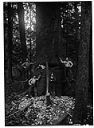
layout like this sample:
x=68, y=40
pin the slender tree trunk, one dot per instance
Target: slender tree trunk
x=22, y=30
x=47, y=78
x=82, y=83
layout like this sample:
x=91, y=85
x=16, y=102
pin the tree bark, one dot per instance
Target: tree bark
x=46, y=16
x=81, y=88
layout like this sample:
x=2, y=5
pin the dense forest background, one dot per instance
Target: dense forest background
x=36, y=33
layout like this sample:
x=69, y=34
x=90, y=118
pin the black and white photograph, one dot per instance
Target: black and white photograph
x=48, y=63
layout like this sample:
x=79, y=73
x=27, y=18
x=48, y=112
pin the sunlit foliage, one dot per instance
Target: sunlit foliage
x=16, y=51
x=30, y=29
x=16, y=34
x=70, y=18
x=5, y=13
x=30, y=24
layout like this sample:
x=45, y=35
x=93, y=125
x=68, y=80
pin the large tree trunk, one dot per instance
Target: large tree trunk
x=82, y=83
x=22, y=30
x=46, y=18
x=48, y=35
x=45, y=34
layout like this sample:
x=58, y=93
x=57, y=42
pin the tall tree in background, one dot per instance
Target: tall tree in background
x=82, y=82
x=10, y=22
x=22, y=30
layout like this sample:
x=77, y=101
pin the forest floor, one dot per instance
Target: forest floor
x=34, y=110
x=24, y=110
